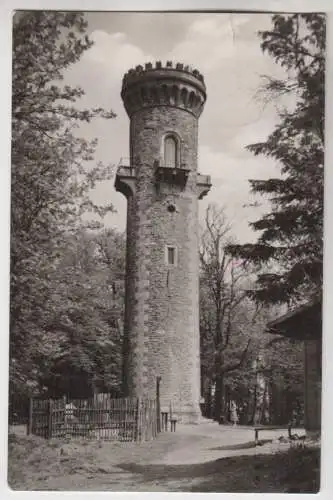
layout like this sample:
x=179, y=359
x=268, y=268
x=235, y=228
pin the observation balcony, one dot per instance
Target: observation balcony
x=126, y=177
x=204, y=184
x=171, y=173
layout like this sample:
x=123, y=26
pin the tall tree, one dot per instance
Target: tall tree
x=288, y=254
x=83, y=340
x=221, y=296
x=52, y=171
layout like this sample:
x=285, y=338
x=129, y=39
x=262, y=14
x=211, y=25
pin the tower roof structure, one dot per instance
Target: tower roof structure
x=172, y=84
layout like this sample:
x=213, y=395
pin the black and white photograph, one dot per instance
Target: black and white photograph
x=166, y=251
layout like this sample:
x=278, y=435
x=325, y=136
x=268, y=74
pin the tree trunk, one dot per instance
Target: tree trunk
x=265, y=404
x=209, y=402
x=249, y=406
x=275, y=404
x=260, y=398
x=219, y=406
x=272, y=411
x=254, y=404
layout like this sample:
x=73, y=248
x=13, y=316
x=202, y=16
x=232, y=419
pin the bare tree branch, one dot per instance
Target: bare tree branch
x=237, y=365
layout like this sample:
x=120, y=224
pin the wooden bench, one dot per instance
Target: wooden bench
x=269, y=428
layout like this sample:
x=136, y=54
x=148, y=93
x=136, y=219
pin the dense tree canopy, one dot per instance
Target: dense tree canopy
x=83, y=340
x=240, y=361
x=289, y=251
x=52, y=174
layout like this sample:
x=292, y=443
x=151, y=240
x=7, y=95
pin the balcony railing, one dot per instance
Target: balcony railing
x=124, y=161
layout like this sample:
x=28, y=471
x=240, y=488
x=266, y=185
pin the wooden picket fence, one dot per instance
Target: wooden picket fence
x=102, y=417
x=147, y=420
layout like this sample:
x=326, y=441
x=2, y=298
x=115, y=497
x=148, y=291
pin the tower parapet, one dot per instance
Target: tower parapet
x=176, y=85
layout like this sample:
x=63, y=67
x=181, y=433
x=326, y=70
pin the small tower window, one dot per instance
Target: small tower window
x=171, y=255
x=170, y=151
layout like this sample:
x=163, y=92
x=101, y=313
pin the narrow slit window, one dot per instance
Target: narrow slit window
x=171, y=256
x=170, y=152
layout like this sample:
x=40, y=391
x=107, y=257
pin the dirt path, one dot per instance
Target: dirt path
x=206, y=457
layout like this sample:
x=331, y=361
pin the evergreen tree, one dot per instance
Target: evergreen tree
x=288, y=254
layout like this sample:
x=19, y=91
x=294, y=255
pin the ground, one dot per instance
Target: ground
x=197, y=458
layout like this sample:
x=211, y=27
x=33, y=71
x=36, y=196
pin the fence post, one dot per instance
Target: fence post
x=49, y=419
x=64, y=400
x=138, y=419
x=158, y=404
x=29, y=427
x=154, y=422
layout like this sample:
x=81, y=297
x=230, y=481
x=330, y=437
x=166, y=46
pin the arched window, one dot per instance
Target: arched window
x=170, y=151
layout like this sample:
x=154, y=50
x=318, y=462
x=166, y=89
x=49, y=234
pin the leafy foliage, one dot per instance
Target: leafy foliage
x=84, y=317
x=52, y=174
x=289, y=252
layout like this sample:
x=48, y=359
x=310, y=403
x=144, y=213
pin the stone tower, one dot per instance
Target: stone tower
x=162, y=187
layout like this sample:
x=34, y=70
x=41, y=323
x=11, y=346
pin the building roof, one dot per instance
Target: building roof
x=304, y=322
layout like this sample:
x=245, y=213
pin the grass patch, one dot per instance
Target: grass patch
x=33, y=460
x=301, y=470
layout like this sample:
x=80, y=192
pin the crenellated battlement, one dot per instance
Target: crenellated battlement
x=158, y=65
x=172, y=84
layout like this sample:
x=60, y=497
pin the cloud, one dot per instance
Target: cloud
x=230, y=176
x=209, y=42
x=101, y=68
x=253, y=132
x=115, y=53
x=226, y=49
x=100, y=72
x=232, y=64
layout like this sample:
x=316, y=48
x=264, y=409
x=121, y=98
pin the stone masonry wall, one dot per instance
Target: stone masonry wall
x=162, y=302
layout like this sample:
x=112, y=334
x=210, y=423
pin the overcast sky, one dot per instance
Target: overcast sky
x=225, y=48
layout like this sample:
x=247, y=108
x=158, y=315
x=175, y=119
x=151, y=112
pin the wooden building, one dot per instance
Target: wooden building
x=305, y=324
